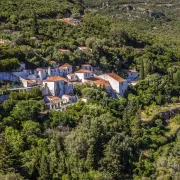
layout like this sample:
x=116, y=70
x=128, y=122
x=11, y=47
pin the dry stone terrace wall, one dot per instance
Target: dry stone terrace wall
x=8, y=76
x=166, y=115
x=3, y=98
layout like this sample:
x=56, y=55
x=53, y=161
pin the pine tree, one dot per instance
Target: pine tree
x=142, y=70
x=177, y=78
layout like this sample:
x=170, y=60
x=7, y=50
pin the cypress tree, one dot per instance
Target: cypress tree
x=142, y=70
x=177, y=78
x=35, y=29
x=43, y=169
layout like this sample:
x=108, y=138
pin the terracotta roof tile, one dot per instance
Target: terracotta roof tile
x=72, y=74
x=82, y=71
x=53, y=98
x=55, y=78
x=98, y=81
x=116, y=77
x=31, y=81
x=39, y=69
x=66, y=65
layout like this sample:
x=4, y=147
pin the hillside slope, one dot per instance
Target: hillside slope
x=22, y=9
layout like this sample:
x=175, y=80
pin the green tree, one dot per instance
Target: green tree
x=176, y=78
x=35, y=27
x=142, y=76
x=43, y=169
x=117, y=154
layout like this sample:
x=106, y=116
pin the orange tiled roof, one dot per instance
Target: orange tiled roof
x=31, y=81
x=116, y=77
x=55, y=78
x=98, y=81
x=53, y=98
x=82, y=71
x=71, y=74
x=39, y=69
x=66, y=65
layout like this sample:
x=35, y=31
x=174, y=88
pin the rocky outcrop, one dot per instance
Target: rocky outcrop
x=167, y=114
x=156, y=14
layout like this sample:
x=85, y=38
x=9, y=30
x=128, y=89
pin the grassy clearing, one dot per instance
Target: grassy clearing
x=149, y=112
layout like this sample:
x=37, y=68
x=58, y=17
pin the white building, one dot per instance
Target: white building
x=65, y=69
x=57, y=86
x=72, y=77
x=69, y=98
x=53, y=64
x=132, y=75
x=27, y=82
x=99, y=82
x=41, y=73
x=118, y=84
x=84, y=74
x=87, y=67
x=53, y=102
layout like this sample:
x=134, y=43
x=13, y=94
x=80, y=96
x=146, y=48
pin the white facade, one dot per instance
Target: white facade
x=69, y=99
x=132, y=75
x=41, y=74
x=56, y=88
x=27, y=83
x=118, y=84
x=84, y=74
x=65, y=69
x=72, y=77
x=87, y=67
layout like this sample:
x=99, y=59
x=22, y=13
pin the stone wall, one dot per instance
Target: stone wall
x=8, y=76
x=3, y=98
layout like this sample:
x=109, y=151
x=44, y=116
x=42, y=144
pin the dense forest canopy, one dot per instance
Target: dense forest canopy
x=106, y=138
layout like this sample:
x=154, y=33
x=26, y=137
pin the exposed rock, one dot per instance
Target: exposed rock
x=156, y=14
x=166, y=115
